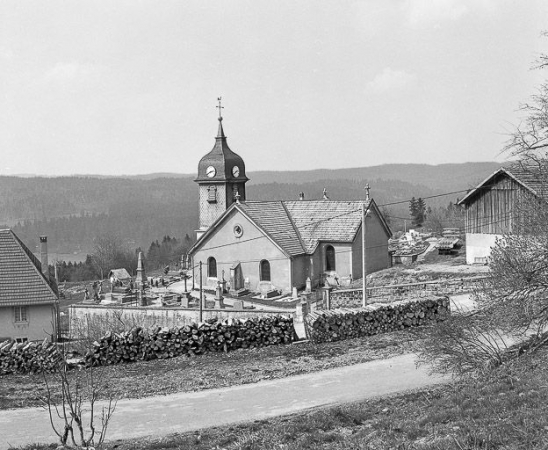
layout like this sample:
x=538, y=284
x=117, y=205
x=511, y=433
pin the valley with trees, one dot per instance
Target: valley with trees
x=77, y=212
x=319, y=327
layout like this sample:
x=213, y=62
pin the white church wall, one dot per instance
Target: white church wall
x=248, y=249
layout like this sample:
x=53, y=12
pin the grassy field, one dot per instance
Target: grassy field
x=184, y=374
x=507, y=410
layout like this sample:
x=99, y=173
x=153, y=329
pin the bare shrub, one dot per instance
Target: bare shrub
x=71, y=397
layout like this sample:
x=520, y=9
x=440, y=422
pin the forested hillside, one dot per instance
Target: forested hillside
x=74, y=211
x=443, y=177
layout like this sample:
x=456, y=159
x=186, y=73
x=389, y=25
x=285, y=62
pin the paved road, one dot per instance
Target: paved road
x=191, y=411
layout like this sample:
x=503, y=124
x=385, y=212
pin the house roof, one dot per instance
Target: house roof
x=120, y=274
x=21, y=279
x=297, y=227
x=531, y=178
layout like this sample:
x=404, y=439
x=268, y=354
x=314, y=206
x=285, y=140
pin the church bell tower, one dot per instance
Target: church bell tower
x=221, y=179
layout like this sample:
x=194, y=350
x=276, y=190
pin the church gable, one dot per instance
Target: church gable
x=236, y=248
x=238, y=236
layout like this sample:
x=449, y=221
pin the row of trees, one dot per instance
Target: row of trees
x=167, y=252
x=111, y=252
x=417, y=210
x=436, y=218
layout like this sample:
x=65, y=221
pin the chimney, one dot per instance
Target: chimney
x=301, y=196
x=44, y=256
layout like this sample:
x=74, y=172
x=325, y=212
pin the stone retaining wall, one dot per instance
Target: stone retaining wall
x=352, y=298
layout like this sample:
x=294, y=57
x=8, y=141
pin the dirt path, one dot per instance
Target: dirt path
x=191, y=411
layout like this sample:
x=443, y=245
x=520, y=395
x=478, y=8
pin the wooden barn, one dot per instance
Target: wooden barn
x=492, y=208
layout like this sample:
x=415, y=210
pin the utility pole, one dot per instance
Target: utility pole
x=364, y=256
x=364, y=260
x=201, y=300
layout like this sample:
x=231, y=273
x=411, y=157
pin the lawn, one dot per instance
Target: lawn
x=184, y=374
x=507, y=410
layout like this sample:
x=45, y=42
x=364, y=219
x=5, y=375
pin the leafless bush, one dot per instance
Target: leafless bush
x=71, y=399
x=512, y=306
x=89, y=328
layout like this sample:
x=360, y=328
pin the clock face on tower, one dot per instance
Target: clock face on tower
x=210, y=171
x=236, y=171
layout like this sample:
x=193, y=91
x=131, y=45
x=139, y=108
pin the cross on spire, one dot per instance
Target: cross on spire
x=367, y=187
x=220, y=108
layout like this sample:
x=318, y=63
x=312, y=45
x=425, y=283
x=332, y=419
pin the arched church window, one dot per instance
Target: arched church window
x=212, y=267
x=212, y=194
x=264, y=270
x=329, y=258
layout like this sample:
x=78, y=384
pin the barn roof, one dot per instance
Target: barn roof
x=21, y=279
x=530, y=177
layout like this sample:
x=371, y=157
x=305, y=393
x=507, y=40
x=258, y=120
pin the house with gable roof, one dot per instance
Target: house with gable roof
x=28, y=299
x=491, y=207
x=262, y=245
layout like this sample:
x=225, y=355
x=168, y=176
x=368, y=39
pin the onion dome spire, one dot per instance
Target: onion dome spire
x=221, y=164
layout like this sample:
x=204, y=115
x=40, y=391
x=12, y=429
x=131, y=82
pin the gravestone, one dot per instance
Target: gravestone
x=308, y=285
x=238, y=304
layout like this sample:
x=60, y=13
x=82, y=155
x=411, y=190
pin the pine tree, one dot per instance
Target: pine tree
x=413, y=208
x=417, y=210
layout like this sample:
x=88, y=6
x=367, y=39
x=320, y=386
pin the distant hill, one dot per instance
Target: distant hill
x=74, y=210
x=432, y=176
x=444, y=177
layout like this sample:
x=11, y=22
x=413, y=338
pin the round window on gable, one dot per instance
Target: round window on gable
x=238, y=230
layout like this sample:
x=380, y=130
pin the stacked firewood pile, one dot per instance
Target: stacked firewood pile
x=28, y=357
x=211, y=336
x=339, y=324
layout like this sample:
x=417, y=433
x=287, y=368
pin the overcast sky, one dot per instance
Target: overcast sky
x=130, y=87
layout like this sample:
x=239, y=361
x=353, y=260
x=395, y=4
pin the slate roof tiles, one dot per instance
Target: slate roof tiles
x=21, y=278
x=299, y=226
x=274, y=219
x=325, y=220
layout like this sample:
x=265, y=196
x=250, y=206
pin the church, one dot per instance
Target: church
x=265, y=246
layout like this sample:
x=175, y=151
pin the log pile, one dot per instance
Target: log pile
x=28, y=357
x=339, y=324
x=211, y=336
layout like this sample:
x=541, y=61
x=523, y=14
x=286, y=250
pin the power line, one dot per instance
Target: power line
x=430, y=196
